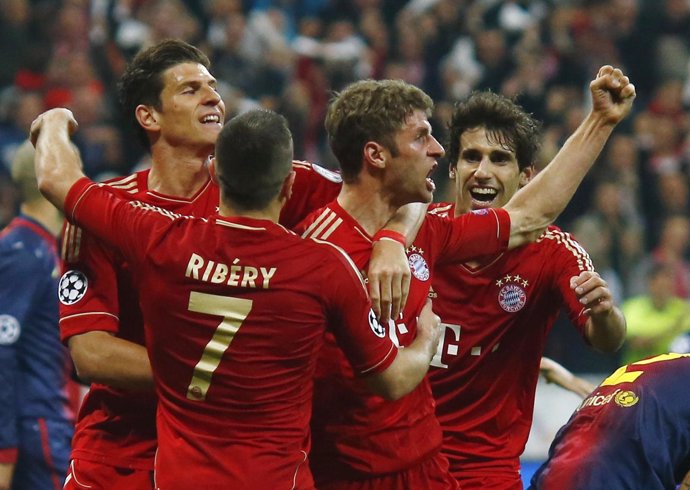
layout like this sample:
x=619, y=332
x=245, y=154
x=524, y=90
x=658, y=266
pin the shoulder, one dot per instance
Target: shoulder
x=332, y=254
x=130, y=185
x=442, y=209
x=314, y=171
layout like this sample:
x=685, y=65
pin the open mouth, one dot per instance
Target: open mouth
x=483, y=195
x=213, y=119
x=430, y=184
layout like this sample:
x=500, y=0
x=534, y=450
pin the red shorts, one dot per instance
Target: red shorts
x=87, y=475
x=432, y=474
x=493, y=482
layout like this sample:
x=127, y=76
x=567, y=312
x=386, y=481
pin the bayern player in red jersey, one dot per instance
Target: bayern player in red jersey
x=497, y=311
x=235, y=308
x=171, y=97
x=380, y=133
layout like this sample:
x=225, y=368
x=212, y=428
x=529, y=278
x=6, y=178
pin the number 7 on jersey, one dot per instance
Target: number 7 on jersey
x=234, y=311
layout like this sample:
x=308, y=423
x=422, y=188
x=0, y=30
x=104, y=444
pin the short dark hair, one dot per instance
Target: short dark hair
x=142, y=81
x=504, y=120
x=370, y=110
x=253, y=157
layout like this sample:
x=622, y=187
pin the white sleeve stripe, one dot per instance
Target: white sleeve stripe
x=498, y=224
x=584, y=261
x=326, y=214
x=332, y=228
x=76, y=315
x=390, y=351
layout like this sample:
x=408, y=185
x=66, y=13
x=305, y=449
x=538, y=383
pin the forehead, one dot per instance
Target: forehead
x=183, y=73
x=480, y=138
x=415, y=121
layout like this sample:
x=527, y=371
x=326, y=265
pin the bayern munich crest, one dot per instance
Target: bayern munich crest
x=512, y=296
x=72, y=287
x=418, y=266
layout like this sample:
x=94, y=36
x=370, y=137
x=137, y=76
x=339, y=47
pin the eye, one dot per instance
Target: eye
x=471, y=156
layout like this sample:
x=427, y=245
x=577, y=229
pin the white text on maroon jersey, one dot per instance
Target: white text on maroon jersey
x=244, y=276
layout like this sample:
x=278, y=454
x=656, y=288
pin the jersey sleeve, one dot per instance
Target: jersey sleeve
x=95, y=306
x=568, y=259
x=17, y=292
x=314, y=187
x=128, y=226
x=362, y=338
x=470, y=235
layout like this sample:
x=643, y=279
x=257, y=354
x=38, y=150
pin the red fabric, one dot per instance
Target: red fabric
x=497, y=313
x=357, y=434
x=265, y=297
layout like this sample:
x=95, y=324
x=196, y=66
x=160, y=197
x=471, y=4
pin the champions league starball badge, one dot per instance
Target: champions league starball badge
x=72, y=287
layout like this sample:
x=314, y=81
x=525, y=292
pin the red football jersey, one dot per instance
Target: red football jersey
x=117, y=427
x=497, y=316
x=235, y=311
x=358, y=433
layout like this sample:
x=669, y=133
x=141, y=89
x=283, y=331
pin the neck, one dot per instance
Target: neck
x=177, y=172
x=270, y=212
x=45, y=213
x=368, y=204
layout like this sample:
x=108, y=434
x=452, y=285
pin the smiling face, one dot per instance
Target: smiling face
x=191, y=110
x=412, y=161
x=486, y=174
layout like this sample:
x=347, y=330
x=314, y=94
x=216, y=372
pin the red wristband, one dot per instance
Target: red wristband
x=391, y=235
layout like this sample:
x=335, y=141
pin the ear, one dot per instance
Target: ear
x=375, y=154
x=526, y=175
x=286, y=189
x=451, y=172
x=147, y=117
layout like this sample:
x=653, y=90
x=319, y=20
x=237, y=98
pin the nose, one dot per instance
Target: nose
x=436, y=149
x=483, y=171
x=211, y=96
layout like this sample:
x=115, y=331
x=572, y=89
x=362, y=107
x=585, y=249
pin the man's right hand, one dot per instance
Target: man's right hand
x=58, y=116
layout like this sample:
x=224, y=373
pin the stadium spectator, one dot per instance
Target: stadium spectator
x=498, y=311
x=36, y=411
x=657, y=317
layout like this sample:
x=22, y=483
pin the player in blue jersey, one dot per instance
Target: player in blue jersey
x=36, y=420
x=632, y=432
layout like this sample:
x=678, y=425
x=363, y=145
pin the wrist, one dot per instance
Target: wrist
x=392, y=236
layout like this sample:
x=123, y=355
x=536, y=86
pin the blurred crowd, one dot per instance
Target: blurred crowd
x=631, y=214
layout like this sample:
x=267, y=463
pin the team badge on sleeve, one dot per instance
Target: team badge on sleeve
x=72, y=287
x=378, y=329
x=9, y=329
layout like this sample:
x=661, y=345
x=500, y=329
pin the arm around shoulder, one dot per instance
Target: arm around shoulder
x=412, y=362
x=101, y=357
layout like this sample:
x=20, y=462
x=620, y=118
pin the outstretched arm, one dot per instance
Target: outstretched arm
x=58, y=165
x=537, y=204
x=555, y=373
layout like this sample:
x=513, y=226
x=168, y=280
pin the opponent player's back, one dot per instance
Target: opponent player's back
x=632, y=432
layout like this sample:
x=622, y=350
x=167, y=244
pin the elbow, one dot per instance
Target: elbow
x=393, y=393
